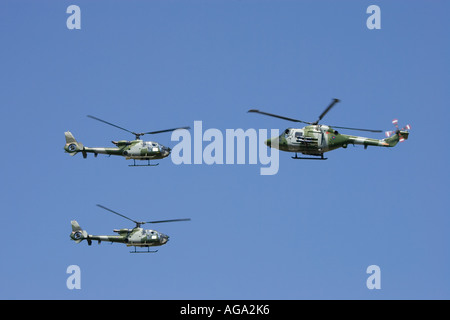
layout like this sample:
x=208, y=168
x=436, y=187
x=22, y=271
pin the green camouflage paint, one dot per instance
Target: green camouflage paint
x=318, y=139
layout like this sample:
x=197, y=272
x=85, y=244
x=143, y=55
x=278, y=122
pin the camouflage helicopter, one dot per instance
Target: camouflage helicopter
x=137, y=237
x=316, y=139
x=136, y=149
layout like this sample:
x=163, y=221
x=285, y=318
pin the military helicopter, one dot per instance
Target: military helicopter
x=136, y=149
x=137, y=237
x=316, y=139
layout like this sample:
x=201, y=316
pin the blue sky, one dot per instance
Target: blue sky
x=308, y=232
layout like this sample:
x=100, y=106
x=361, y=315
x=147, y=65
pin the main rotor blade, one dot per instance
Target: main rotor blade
x=111, y=124
x=173, y=220
x=369, y=130
x=327, y=109
x=99, y=205
x=167, y=130
x=277, y=116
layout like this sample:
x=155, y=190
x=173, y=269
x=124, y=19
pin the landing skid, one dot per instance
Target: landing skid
x=309, y=158
x=142, y=165
x=148, y=251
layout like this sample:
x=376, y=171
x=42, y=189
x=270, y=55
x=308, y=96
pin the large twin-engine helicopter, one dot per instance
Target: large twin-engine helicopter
x=316, y=139
x=137, y=237
x=135, y=149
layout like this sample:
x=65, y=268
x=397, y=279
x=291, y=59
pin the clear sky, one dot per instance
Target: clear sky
x=308, y=232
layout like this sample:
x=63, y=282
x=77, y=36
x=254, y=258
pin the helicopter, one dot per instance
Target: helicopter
x=316, y=139
x=136, y=149
x=137, y=237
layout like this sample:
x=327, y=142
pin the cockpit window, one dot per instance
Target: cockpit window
x=286, y=131
x=298, y=134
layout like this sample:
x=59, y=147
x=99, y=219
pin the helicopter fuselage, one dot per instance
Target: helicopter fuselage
x=137, y=237
x=140, y=237
x=135, y=149
x=318, y=139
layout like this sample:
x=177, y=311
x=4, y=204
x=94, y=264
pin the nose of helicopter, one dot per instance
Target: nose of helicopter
x=165, y=151
x=164, y=238
x=273, y=142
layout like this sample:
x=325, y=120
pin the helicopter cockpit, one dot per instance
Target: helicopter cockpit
x=293, y=133
x=288, y=132
x=153, y=235
x=156, y=147
x=151, y=146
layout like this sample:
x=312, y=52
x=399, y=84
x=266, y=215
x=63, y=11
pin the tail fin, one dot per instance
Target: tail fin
x=399, y=136
x=73, y=146
x=77, y=234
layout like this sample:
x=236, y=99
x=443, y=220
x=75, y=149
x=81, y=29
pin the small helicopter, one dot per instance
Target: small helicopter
x=316, y=139
x=137, y=237
x=136, y=149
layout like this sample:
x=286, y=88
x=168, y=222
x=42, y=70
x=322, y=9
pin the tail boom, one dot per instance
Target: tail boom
x=387, y=142
x=399, y=136
x=78, y=235
x=73, y=147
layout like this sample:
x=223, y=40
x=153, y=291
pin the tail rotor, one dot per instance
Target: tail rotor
x=78, y=234
x=402, y=133
x=73, y=146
